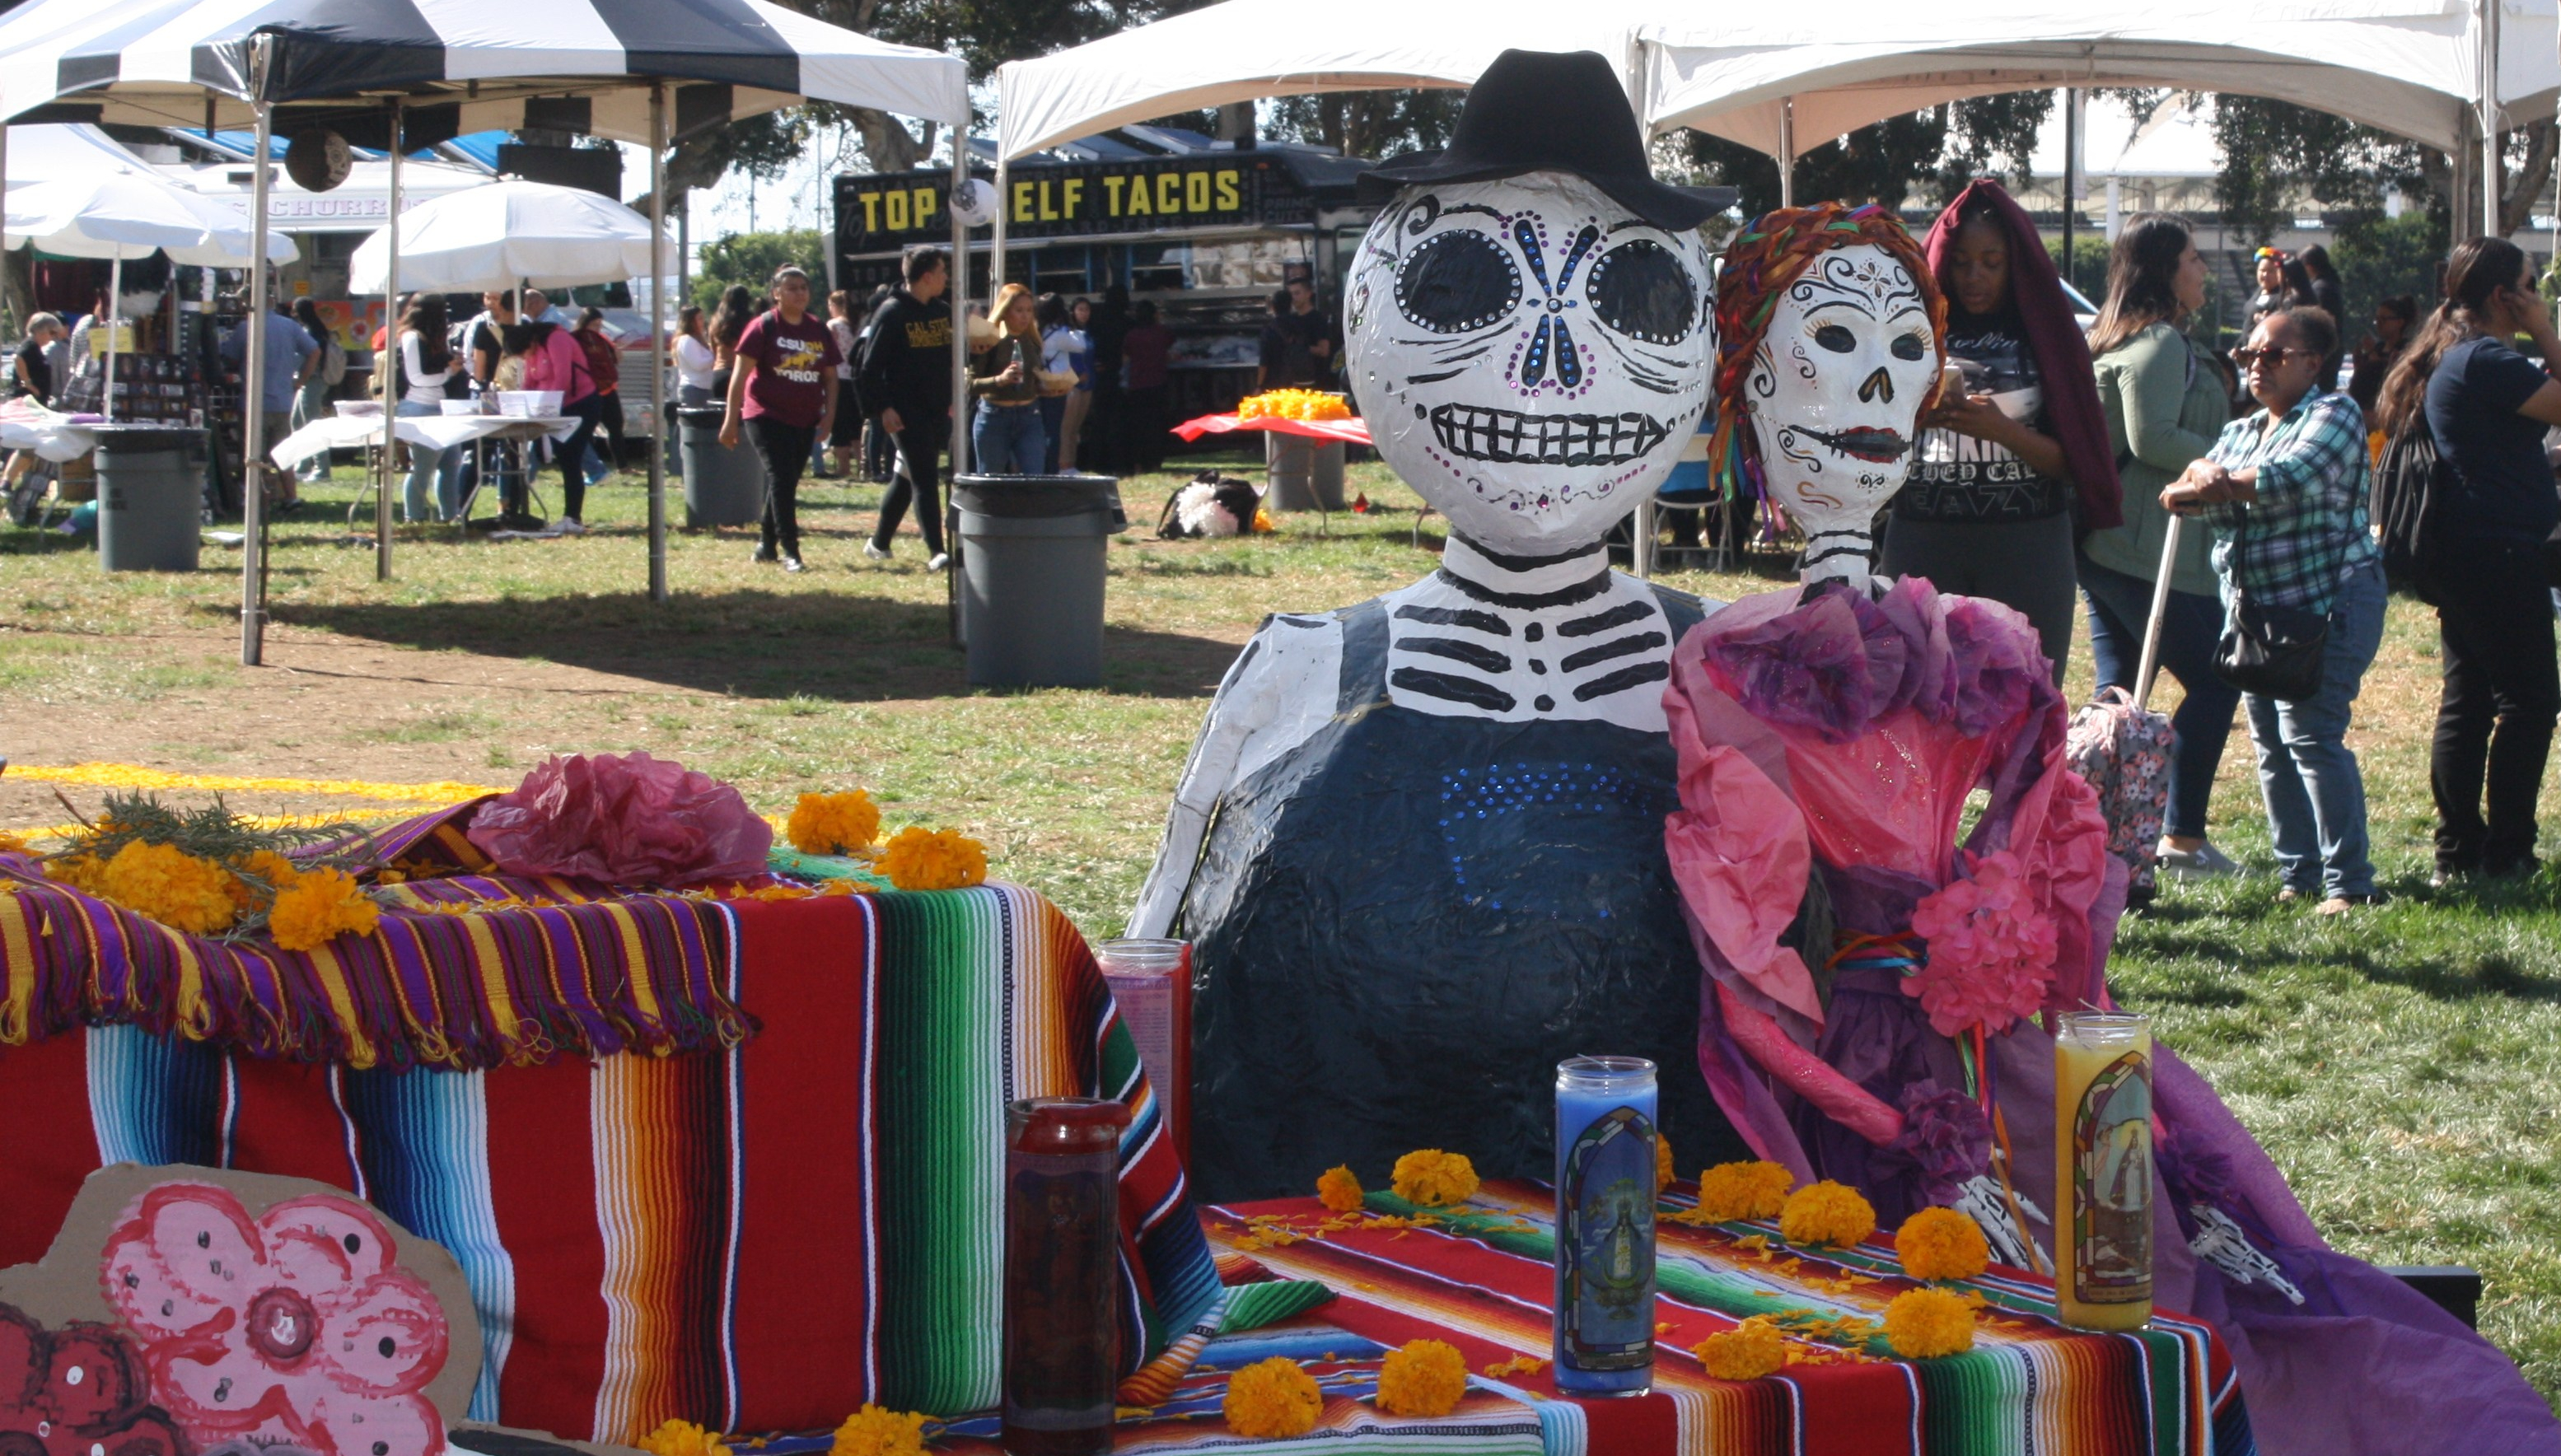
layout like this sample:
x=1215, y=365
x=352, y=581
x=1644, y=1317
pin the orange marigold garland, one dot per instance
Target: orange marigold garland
x=1731, y=1191
x=1664, y=1177
x=1435, y=1179
x=172, y=886
x=833, y=823
x=1270, y=1397
x=319, y=906
x=877, y=1431
x=683, y=1438
x=1748, y=1352
x=1826, y=1213
x=1924, y=1324
x=1339, y=1190
x=1942, y=1243
x=917, y=858
x=1422, y=1378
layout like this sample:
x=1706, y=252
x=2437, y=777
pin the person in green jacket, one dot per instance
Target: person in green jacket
x=2164, y=403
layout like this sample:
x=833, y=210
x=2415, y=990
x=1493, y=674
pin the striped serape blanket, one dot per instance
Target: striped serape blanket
x=1480, y=1277
x=759, y=1236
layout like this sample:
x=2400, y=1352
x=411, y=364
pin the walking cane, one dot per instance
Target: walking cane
x=2152, y=629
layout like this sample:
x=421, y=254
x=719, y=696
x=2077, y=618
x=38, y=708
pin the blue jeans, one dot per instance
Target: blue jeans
x=1053, y=411
x=2315, y=793
x=1006, y=439
x=310, y=403
x=436, y=470
x=2120, y=605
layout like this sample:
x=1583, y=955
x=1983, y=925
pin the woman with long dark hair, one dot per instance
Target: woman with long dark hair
x=738, y=308
x=2488, y=407
x=2165, y=402
x=2009, y=468
x=426, y=361
x=2395, y=319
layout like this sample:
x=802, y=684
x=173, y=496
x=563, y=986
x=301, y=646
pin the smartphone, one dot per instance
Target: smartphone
x=1952, y=382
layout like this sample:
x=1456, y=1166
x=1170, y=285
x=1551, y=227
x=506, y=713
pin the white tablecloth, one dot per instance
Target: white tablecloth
x=25, y=425
x=435, y=431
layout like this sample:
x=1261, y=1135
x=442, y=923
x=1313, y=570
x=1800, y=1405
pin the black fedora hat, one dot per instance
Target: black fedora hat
x=1550, y=111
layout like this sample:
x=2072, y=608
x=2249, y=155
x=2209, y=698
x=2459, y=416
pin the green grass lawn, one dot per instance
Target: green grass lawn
x=2399, y=1063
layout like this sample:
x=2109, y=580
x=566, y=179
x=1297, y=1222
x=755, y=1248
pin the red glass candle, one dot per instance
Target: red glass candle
x=1061, y=1274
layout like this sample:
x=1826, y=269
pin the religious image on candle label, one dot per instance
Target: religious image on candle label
x=1608, y=1234
x=2112, y=1217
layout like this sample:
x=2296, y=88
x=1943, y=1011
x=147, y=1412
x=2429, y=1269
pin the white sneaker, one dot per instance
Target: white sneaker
x=941, y=560
x=873, y=550
x=2205, y=862
x=572, y=525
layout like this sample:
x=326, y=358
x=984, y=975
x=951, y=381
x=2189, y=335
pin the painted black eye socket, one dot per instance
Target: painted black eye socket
x=1836, y=338
x=1641, y=290
x=1909, y=346
x=1457, y=283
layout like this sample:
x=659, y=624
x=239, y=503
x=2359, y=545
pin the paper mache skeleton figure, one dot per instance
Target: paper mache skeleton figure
x=1419, y=843
x=1874, y=973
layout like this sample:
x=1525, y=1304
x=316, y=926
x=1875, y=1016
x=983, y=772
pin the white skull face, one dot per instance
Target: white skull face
x=1530, y=357
x=1834, y=391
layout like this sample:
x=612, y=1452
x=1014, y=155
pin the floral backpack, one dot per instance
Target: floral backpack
x=2122, y=750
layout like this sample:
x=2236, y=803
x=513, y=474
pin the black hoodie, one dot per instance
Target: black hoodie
x=907, y=367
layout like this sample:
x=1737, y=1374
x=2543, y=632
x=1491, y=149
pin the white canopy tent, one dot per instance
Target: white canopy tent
x=504, y=234
x=412, y=75
x=118, y=212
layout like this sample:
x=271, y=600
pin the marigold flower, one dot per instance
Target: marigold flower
x=319, y=906
x=172, y=886
x=683, y=1438
x=83, y=873
x=875, y=1432
x=917, y=858
x=833, y=823
x=1731, y=1191
x=11, y=844
x=1924, y=1324
x=1664, y=1177
x=1340, y=1190
x=1826, y=1213
x=1747, y=1352
x=1435, y=1179
x=1422, y=1378
x=1942, y=1243
x=1269, y=1397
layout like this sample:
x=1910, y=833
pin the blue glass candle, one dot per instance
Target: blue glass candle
x=1605, y=1225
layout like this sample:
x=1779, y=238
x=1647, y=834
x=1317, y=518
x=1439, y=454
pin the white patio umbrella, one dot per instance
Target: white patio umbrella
x=118, y=213
x=503, y=235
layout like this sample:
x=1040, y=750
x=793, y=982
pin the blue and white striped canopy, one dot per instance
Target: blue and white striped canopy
x=574, y=64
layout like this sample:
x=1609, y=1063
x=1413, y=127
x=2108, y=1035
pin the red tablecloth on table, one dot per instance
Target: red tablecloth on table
x=1348, y=431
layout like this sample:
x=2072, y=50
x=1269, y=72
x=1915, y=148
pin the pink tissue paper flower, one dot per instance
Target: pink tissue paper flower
x=297, y=1328
x=629, y=820
x=1992, y=948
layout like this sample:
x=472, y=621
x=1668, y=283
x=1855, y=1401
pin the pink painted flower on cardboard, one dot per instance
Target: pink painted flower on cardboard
x=297, y=1327
x=76, y=1391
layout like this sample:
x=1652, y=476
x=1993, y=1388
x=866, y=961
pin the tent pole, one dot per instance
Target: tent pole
x=115, y=316
x=1786, y=151
x=2071, y=155
x=2489, y=11
x=254, y=383
x=996, y=242
x=958, y=272
x=17, y=323
x=385, y=363
x=658, y=338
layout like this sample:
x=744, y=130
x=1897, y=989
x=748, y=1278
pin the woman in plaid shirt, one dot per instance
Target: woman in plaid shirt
x=2285, y=491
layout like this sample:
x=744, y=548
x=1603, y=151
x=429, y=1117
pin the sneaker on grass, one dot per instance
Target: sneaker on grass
x=2204, y=862
x=942, y=559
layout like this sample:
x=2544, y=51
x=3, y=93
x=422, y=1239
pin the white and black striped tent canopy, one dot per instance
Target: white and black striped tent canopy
x=465, y=65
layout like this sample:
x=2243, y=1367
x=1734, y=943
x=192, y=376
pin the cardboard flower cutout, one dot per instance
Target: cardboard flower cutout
x=76, y=1391
x=296, y=1328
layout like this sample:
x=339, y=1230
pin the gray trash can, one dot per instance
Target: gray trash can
x=1304, y=474
x=150, y=497
x=1029, y=583
x=723, y=486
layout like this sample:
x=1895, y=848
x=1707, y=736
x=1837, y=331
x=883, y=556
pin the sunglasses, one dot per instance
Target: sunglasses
x=2248, y=357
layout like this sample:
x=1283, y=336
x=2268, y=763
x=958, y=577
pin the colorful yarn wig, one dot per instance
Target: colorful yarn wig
x=1764, y=258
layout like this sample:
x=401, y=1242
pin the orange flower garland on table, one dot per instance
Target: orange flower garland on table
x=1664, y=1177
x=1422, y=1378
x=875, y=1431
x=683, y=1438
x=1269, y=1397
x=319, y=906
x=1435, y=1179
x=833, y=823
x=1826, y=1213
x=1747, y=1352
x=1293, y=405
x=1924, y=1324
x=170, y=886
x=917, y=858
x=1942, y=1243
x=1731, y=1191
x=1339, y=1190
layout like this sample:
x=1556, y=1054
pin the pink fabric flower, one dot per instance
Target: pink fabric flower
x=631, y=820
x=1992, y=948
x=297, y=1327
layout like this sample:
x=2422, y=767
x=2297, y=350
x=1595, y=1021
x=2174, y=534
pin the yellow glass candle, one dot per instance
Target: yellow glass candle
x=2103, y=1155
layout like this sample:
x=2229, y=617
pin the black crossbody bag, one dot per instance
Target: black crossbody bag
x=2274, y=651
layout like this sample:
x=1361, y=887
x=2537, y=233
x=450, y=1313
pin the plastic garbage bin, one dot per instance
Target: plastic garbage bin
x=1304, y=474
x=724, y=486
x=150, y=491
x=1030, y=577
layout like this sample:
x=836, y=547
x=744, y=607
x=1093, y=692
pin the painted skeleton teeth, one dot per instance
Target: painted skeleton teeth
x=1510, y=438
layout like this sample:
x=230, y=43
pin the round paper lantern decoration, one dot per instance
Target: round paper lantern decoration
x=974, y=203
x=318, y=159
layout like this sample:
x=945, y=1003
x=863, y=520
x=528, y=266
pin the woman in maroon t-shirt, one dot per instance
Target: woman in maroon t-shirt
x=782, y=387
